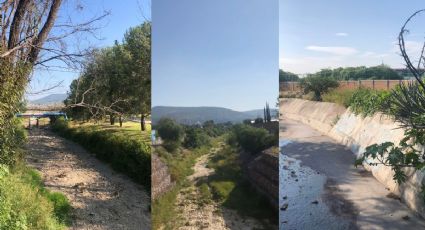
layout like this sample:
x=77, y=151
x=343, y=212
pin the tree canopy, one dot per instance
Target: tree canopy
x=116, y=80
x=287, y=76
x=380, y=72
x=318, y=84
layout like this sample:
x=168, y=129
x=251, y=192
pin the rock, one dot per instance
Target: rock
x=284, y=207
x=315, y=202
x=406, y=217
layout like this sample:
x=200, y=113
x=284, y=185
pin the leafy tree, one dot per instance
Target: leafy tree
x=318, y=85
x=116, y=80
x=360, y=73
x=195, y=137
x=138, y=43
x=251, y=139
x=267, y=114
x=287, y=76
x=171, y=133
x=258, y=120
x=246, y=121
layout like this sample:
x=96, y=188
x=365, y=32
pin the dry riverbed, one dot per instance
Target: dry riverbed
x=101, y=198
x=198, y=214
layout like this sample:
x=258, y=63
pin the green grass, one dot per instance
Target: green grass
x=129, y=129
x=339, y=96
x=180, y=163
x=26, y=204
x=126, y=149
x=206, y=195
x=222, y=189
x=232, y=190
x=61, y=205
x=164, y=212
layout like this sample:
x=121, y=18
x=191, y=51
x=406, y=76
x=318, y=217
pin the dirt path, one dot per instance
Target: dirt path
x=196, y=214
x=100, y=197
x=321, y=187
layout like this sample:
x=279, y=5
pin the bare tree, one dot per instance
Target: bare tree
x=418, y=70
x=29, y=32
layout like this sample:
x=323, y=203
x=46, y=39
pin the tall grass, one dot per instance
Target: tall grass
x=180, y=164
x=339, y=96
x=231, y=189
x=26, y=204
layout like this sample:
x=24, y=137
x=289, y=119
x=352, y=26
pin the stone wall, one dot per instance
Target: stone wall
x=263, y=172
x=161, y=179
x=357, y=132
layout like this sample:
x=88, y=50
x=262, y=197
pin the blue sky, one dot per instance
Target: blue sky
x=124, y=14
x=215, y=53
x=332, y=33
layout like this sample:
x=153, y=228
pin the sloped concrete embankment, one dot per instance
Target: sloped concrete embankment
x=161, y=179
x=357, y=132
x=263, y=173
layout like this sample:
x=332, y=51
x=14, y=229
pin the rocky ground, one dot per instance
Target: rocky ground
x=101, y=198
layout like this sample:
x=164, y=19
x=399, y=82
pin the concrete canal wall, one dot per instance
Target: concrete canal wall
x=356, y=133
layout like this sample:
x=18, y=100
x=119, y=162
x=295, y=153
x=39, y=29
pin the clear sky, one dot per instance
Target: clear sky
x=333, y=33
x=123, y=15
x=215, y=53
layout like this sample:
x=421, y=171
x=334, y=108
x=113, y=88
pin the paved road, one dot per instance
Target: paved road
x=321, y=189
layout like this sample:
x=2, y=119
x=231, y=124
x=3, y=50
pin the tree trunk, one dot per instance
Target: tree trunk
x=44, y=32
x=120, y=120
x=142, y=122
x=112, y=119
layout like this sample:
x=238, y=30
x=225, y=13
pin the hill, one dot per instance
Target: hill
x=192, y=115
x=49, y=99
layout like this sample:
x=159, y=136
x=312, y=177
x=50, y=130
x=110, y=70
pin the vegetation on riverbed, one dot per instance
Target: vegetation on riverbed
x=126, y=149
x=230, y=188
x=227, y=186
x=24, y=202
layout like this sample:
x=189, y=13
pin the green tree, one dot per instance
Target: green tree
x=195, y=137
x=287, y=76
x=251, y=139
x=318, y=84
x=137, y=41
x=171, y=133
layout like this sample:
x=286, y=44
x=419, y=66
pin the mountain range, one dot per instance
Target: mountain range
x=192, y=115
x=50, y=99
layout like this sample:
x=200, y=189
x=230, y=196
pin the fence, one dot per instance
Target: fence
x=373, y=84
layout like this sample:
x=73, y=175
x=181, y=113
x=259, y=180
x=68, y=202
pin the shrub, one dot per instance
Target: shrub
x=12, y=87
x=171, y=146
x=367, y=101
x=205, y=194
x=339, y=96
x=222, y=189
x=24, y=205
x=12, y=138
x=169, y=130
x=195, y=137
x=127, y=155
x=253, y=140
x=318, y=85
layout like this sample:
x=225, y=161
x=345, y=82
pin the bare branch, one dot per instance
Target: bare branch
x=416, y=72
